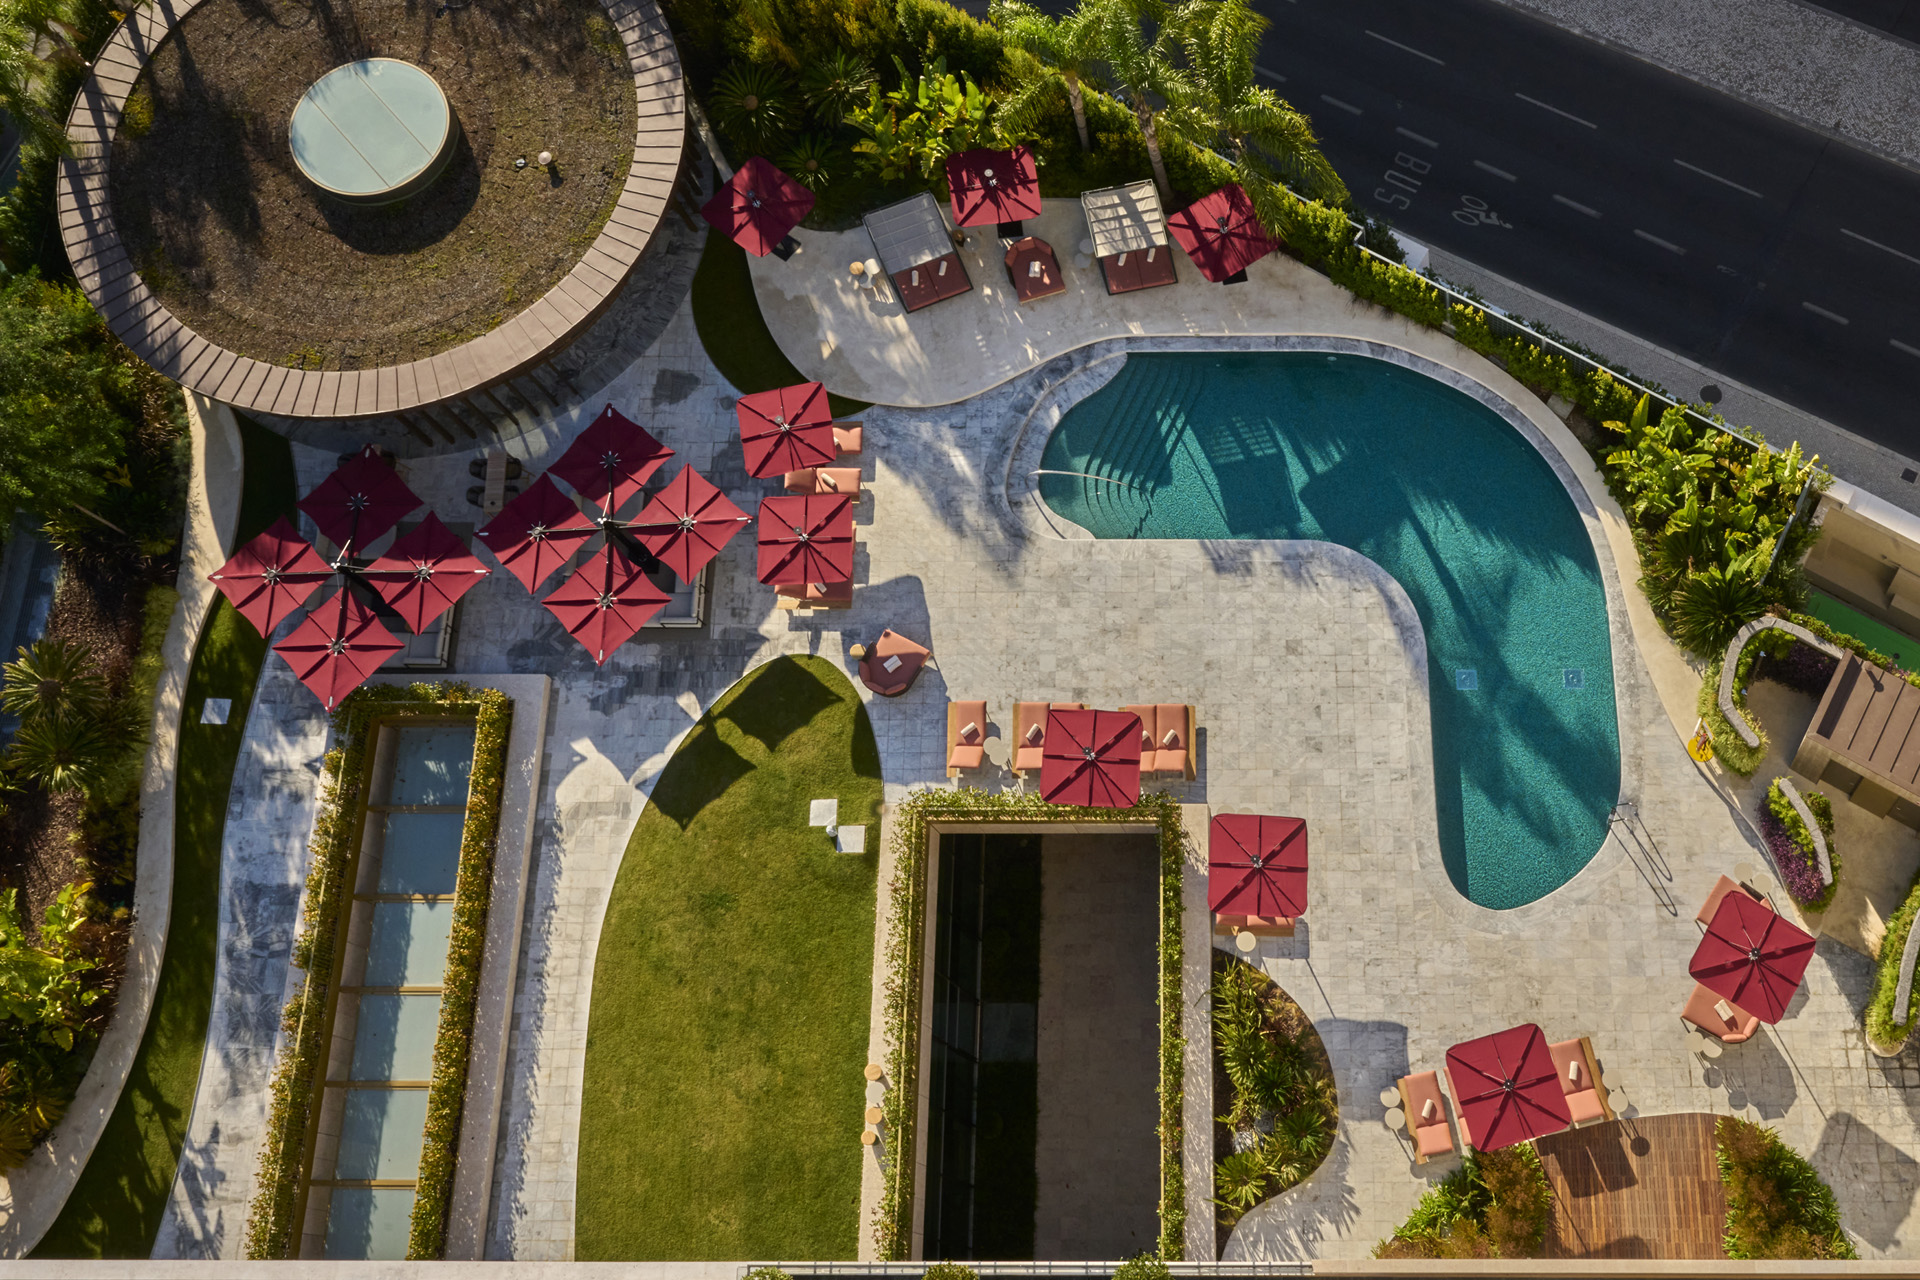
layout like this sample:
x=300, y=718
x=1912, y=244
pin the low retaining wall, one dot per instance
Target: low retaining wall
x=1736, y=717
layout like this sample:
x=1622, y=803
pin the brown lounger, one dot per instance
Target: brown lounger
x=966, y=750
x=1703, y=1012
x=814, y=595
x=1579, y=1074
x=1157, y=754
x=1721, y=888
x=1027, y=750
x=1427, y=1126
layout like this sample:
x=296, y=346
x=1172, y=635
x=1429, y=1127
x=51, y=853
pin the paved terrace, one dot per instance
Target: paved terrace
x=1313, y=702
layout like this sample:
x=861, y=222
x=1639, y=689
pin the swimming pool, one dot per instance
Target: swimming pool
x=1446, y=497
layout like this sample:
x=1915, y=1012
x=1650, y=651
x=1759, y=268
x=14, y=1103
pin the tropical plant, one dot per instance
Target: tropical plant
x=1777, y=1204
x=949, y=1271
x=62, y=755
x=910, y=131
x=1283, y=1106
x=1495, y=1205
x=44, y=1002
x=1139, y=40
x=55, y=679
x=1142, y=1266
x=1708, y=608
x=1065, y=50
x=811, y=160
x=1240, y=1180
x=752, y=106
x=835, y=85
x=1791, y=845
x=61, y=387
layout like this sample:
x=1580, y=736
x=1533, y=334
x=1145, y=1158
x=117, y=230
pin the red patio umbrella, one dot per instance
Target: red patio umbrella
x=424, y=572
x=806, y=537
x=1507, y=1088
x=687, y=523
x=337, y=647
x=993, y=186
x=758, y=206
x=787, y=429
x=535, y=533
x=609, y=461
x=604, y=601
x=1752, y=956
x=1091, y=758
x=271, y=576
x=1257, y=866
x=361, y=500
x=1221, y=233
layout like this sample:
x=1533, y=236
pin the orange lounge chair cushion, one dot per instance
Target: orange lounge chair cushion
x=1721, y=888
x=1027, y=759
x=847, y=438
x=801, y=481
x=1585, y=1105
x=1433, y=1139
x=1431, y=1135
x=1701, y=1013
x=966, y=757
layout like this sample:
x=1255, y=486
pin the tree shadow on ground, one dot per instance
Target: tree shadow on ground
x=779, y=707
x=1873, y=1178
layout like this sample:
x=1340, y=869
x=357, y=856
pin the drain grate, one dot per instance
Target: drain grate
x=1466, y=678
x=1573, y=677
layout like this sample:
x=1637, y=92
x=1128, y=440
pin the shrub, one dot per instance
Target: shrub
x=1143, y=1266
x=938, y=32
x=1728, y=747
x=1495, y=1205
x=949, y=1271
x=45, y=1027
x=1792, y=846
x=1887, y=1026
x=1777, y=1205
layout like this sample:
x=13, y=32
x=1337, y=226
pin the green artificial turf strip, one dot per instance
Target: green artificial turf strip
x=720, y=1116
x=733, y=331
x=115, y=1208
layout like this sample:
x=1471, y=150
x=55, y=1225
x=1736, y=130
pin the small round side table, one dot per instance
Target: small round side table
x=1246, y=942
x=1390, y=1096
x=1396, y=1118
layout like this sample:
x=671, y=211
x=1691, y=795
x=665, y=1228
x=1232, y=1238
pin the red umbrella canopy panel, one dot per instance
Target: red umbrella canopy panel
x=787, y=429
x=610, y=461
x=604, y=602
x=1752, y=956
x=991, y=187
x=687, y=523
x=337, y=648
x=1257, y=866
x=758, y=207
x=1507, y=1088
x=806, y=538
x=1091, y=759
x=271, y=576
x=361, y=500
x=1221, y=233
x=535, y=533
x=424, y=573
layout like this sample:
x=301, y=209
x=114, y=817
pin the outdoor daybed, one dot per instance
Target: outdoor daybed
x=1030, y=732
x=916, y=251
x=1426, y=1112
x=966, y=736
x=1129, y=235
x=1166, y=738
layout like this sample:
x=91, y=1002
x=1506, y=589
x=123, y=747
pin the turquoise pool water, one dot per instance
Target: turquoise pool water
x=1441, y=493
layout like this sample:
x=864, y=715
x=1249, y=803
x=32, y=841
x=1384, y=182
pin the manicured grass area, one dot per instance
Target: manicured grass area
x=721, y=1111
x=732, y=330
x=116, y=1207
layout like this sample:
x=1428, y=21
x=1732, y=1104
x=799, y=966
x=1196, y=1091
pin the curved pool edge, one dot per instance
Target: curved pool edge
x=1063, y=382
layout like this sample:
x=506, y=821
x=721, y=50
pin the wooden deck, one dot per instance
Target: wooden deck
x=1641, y=1188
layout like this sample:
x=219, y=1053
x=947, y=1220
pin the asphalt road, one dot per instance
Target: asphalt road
x=1758, y=248
x=1895, y=17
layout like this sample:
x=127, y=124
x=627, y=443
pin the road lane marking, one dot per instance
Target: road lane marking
x=1576, y=205
x=1548, y=106
x=1484, y=167
x=1271, y=74
x=1886, y=248
x=1344, y=106
x=1407, y=48
x=1725, y=182
x=1417, y=137
x=1901, y=346
x=1834, y=316
x=1650, y=238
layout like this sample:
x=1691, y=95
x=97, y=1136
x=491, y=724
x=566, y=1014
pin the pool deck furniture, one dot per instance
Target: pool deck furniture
x=1158, y=753
x=1580, y=1080
x=848, y=437
x=966, y=736
x=824, y=480
x=1426, y=1111
x=917, y=251
x=1127, y=234
x=994, y=188
x=1859, y=738
x=757, y=207
x=1222, y=234
x=1721, y=888
x=891, y=644
x=1702, y=1010
x=1231, y=926
x=813, y=595
x=1030, y=733
x=1033, y=270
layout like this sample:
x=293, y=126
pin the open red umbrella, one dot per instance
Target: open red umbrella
x=1221, y=233
x=535, y=533
x=806, y=537
x=361, y=500
x=1507, y=1088
x=337, y=647
x=687, y=523
x=787, y=429
x=1257, y=866
x=271, y=576
x=604, y=601
x=993, y=186
x=758, y=206
x=424, y=572
x=1091, y=758
x=609, y=461
x=1752, y=956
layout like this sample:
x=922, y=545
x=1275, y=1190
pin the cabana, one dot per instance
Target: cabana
x=916, y=251
x=1129, y=235
x=1861, y=740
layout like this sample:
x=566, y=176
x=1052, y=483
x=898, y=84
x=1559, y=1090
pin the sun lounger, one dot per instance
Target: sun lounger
x=814, y=595
x=1426, y=1111
x=847, y=437
x=1027, y=744
x=966, y=736
x=845, y=480
x=1258, y=926
x=1721, y=888
x=1736, y=1026
x=1166, y=737
x=892, y=681
x=1579, y=1075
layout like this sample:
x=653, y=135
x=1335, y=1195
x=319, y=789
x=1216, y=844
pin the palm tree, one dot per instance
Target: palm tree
x=1067, y=46
x=1139, y=40
x=54, y=680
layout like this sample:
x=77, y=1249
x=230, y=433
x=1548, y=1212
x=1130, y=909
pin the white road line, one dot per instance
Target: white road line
x=1725, y=182
x=1575, y=205
x=1834, y=316
x=1548, y=106
x=1484, y=167
x=1271, y=74
x=1650, y=238
x=1420, y=138
x=1883, y=247
x=1898, y=345
x=1344, y=106
x=1407, y=48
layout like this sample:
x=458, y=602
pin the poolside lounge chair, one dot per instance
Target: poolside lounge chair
x=1166, y=737
x=1579, y=1073
x=1030, y=732
x=814, y=595
x=1426, y=1110
x=1721, y=888
x=891, y=682
x=1736, y=1026
x=847, y=437
x=826, y=480
x=1258, y=926
x=966, y=736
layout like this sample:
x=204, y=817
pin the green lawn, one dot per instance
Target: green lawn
x=115, y=1208
x=721, y=1110
x=732, y=330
